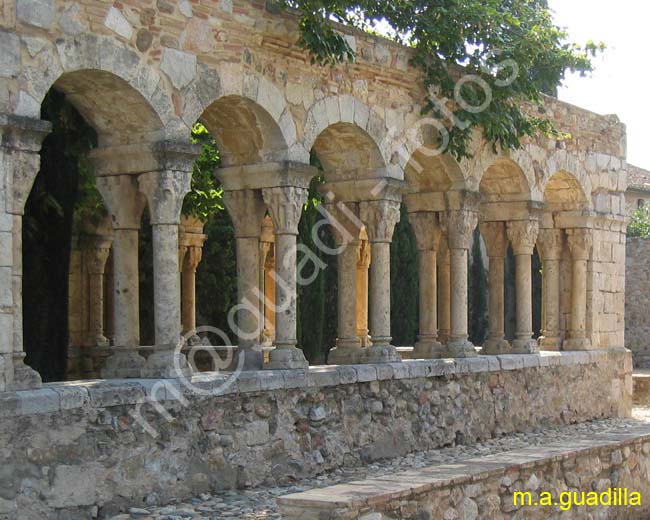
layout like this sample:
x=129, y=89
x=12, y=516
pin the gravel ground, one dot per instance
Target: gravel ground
x=259, y=503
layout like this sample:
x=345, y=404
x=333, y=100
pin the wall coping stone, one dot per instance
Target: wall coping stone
x=70, y=395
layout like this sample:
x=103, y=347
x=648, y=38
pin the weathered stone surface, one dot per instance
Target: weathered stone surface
x=637, y=289
x=246, y=436
x=179, y=66
x=9, y=55
x=116, y=22
x=39, y=13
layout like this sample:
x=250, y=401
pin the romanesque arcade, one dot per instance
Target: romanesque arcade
x=268, y=110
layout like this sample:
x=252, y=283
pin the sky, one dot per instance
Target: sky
x=621, y=82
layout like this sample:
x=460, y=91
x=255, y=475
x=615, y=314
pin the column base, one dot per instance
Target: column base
x=123, y=363
x=340, y=355
x=524, y=346
x=460, y=348
x=248, y=358
x=380, y=354
x=283, y=358
x=577, y=344
x=428, y=349
x=494, y=346
x=549, y=343
x=166, y=364
x=25, y=377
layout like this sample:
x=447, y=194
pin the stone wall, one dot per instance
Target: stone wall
x=69, y=448
x=637, y=300
x=613, y=464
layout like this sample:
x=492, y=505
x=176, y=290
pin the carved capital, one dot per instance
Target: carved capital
x=345, y=222
x=459, y=226
x=95, y=255
x=285, y=205
x=523, y=235
x=380, y=218
x=20, y=142
x=165, y=191
x=550, y=243
x=580, y=242
x=427, y=230
x=192, y=258
x=182, y=251
x=123, y=200
x=246, y=209
x=268, y=234
x=494, y=236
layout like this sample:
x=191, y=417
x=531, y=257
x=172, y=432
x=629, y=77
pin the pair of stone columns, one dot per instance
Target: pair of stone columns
x=355, y=289
x=522, y=234
x=551, y=243
x=162, y=187
x=190, y=252
x=250, y=192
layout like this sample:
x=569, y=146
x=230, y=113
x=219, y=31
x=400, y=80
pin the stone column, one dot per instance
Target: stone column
x=165, y=190
x=550, y=244
x=247, y=210
x=444, y=292
x=191, y=261
x=20, y=143
x=380, y=218
x=285, y=205
x=95, y=255
x=267, y=283
x=459, y=226
x=496, y=243
x=125, y=205
x=346, y=235
x=580, y=244
x=427, y=235
x=523, y=235
x=363, y=264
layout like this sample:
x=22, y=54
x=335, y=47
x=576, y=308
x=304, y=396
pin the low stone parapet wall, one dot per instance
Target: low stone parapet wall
x=604, y=475
x=92, y=447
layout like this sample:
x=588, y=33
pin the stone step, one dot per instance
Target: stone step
x=641, y=386
x=483, y=487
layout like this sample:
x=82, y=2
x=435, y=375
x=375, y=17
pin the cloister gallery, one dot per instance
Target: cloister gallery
x=142, y=74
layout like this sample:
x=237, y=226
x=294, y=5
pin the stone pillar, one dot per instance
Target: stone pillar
x=247, y=210
x=267, y=282
x=190, y=253
x=444, y=292
x=380, y=218
x=285, y=205
x=95, y=255
x=427, y=235
x=125, y=205
x=550, y=244
x=20, y=143
x=496, y=243
x=580, y=244
x=459, y=225
x=363, y=264
x=346, y=235
x=523, y=235
x=165, y=189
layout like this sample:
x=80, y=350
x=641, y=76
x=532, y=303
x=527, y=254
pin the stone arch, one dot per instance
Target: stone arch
x=563, y=162
x=504, y=180
x=112, y=87
x=346, y=151
x=563, y=192
x=229, y=98
x=346, y=112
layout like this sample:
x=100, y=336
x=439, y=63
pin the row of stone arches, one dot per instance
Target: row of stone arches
x=265, y=174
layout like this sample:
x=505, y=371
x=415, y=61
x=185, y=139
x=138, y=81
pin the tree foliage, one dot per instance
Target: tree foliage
x=510, y=47
x=639, y=225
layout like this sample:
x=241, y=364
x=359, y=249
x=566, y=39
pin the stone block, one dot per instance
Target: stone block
x=323, y=376
x=9, y=55
x=384, y=371
x=40, y=401
x=115, y=393
x=366, y=373
x=400, y=370
x=296, y=378
x=71, y=395
x=270, y=380
x=248, y=382
x=179, y=66
x=347, y=374
x=39, y=13
x=511, y=361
